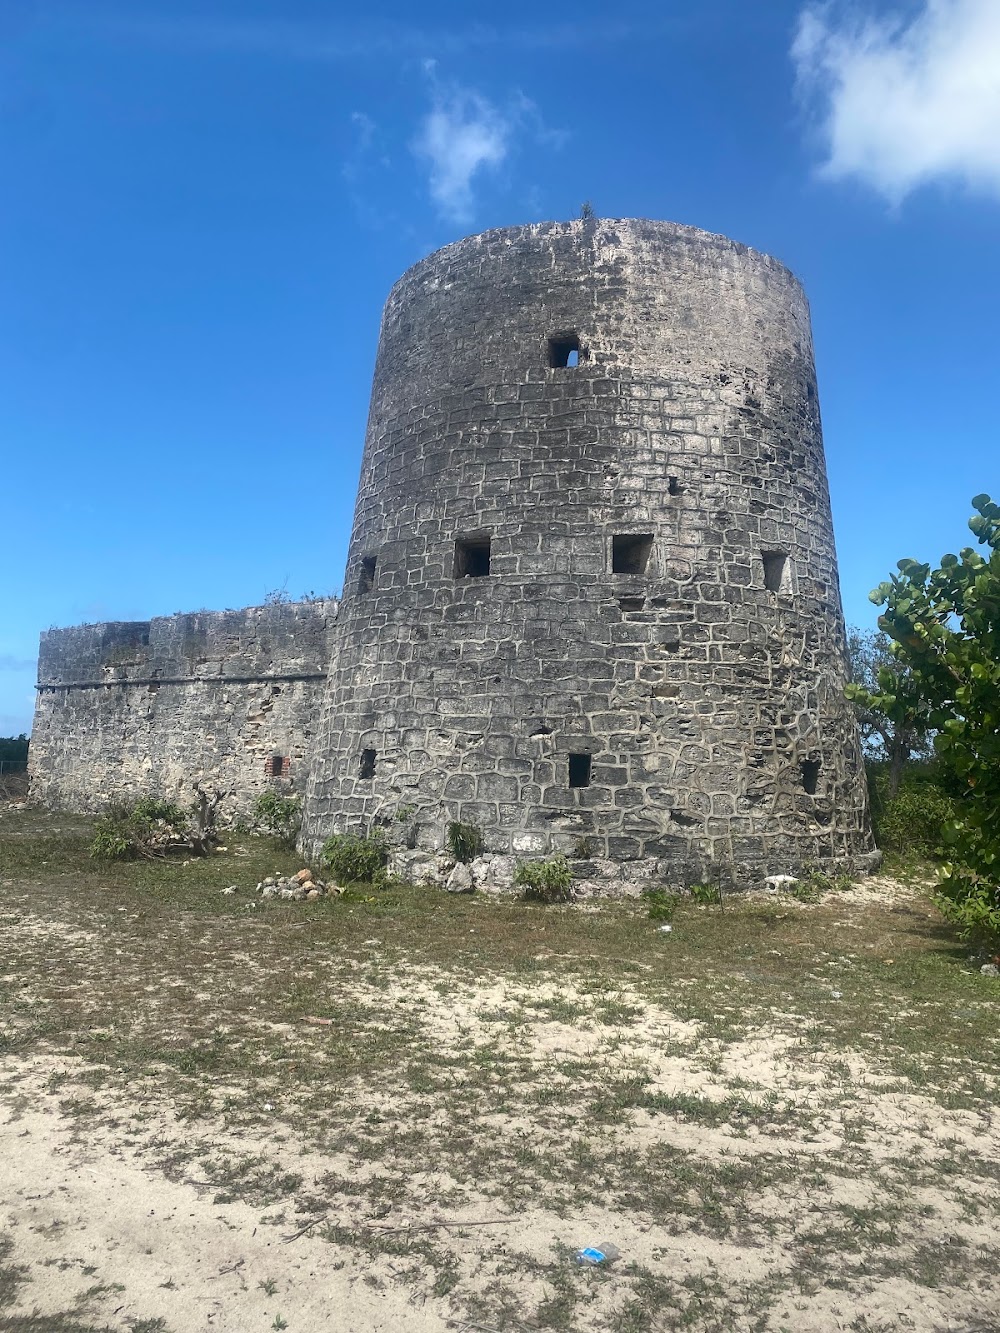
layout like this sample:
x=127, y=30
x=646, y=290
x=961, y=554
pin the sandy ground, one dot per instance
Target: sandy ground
x=106, y=1236
x=113, y=1217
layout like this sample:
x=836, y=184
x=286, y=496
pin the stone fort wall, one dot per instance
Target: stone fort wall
x=591, y=601
x=591, y=598
x=228, y=699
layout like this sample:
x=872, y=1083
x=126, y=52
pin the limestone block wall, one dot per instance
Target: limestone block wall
x=226, y=698
x=591, y=598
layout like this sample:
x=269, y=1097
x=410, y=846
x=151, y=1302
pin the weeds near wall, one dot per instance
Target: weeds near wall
x=545, y=881
x=662, y=905
x=128, y=830
x=705, y=895
x=465, y=841
x=352, y=859
x=277, y=816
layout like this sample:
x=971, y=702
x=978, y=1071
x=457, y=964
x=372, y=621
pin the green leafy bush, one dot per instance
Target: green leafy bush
x=128, y=829
x=278, y=816
x=545, y=881
x=706, y=894
x=465, y=841
x=662, y=905
x=912, y=822
x=944, y=624
x=353, y=859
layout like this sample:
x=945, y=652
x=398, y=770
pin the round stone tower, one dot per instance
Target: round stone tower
x=591, y=601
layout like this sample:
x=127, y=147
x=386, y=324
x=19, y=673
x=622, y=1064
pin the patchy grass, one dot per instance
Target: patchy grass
x=777, y=1103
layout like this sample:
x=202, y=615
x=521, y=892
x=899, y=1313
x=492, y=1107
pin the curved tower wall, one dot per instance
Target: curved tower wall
x=701, y=680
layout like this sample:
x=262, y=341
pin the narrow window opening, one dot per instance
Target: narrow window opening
x=810, y=775
x=673, y=486
x=777, y=572
x=472, y=557
x=579, y=770
x=367, y=769
x=564, y=351
x=366, y=575
x=630, y=554
x=276, y=765
x=631, y=603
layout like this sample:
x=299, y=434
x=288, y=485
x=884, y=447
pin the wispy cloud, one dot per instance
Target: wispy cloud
x=462, y=136
x=335, y=42
x=465, y=136
x=10, y=663
x=905, y=103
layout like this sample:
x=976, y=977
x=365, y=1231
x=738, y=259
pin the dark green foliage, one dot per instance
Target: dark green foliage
x=545, y=881
x=912, y=822
x=279, y=816
x=891, y=740
x=662, y=905
x=144, y=827
x=944, y=625
x=352, y=859
x=465, y=841
x=14, y=748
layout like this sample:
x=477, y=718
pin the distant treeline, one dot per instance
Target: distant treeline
x=14, y=747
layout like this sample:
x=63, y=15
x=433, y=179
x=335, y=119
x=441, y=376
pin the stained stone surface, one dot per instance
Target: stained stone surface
x=218, y=699
x=595, y=607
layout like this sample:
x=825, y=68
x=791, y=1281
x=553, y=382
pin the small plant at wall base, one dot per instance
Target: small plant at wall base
x=277, y=816
x=545, y=881
x=353, y=859
x=662, y=905
x=705, y=895
x=944, y=625
x=465, y=841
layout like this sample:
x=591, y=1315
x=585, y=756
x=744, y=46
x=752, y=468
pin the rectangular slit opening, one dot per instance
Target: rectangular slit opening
x=564, y=351
x=472, y=557
x=366, y=575
x=579, y=770
x=276, y=765
x=630, y=553
x=777, y=572
x=810, y=775
x=367, y=768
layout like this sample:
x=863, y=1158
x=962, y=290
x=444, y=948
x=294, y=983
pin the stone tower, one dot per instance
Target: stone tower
x=591, y=601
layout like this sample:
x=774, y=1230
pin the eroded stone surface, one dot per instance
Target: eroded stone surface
x=660, y=615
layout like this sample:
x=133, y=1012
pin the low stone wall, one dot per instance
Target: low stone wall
x=221, y=700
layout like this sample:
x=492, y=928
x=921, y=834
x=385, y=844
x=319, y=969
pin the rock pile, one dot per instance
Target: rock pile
x=297, y=888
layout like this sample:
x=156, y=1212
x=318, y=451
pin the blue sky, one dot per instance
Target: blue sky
x=205, y=204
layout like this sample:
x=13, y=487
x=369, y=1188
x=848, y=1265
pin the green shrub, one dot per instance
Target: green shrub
x=465, y=841
x=545, y=881
x=128, y=829
x=706, y=894
x=353, y=859
x=913, y=822
x=662, y=905
x=278, y=816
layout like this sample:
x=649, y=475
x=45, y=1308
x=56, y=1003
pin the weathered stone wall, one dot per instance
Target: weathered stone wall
x=704, y=689
x=153, y=707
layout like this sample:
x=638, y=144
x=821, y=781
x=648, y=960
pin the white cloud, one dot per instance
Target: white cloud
x=904, y=103
x=462, y=136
